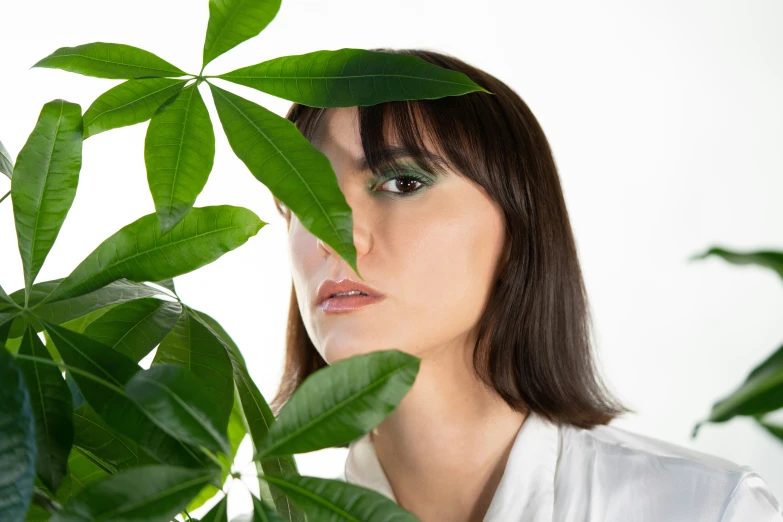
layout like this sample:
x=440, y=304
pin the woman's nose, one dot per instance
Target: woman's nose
x=362, y=235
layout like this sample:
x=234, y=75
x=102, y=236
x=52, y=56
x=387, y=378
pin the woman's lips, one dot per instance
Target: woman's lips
x=348, y=303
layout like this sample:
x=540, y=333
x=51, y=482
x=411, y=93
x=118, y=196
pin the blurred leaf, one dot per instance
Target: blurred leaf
x=51, y=402
x=762, y=392
x=264, y=513
x=110, y=401
x=259, y=418
x=139, y=252
x=136, y=327
x=349, y=77
x=231, y=22
x=177, y=402
x=764, y=258
x=128, y=103
x=190, y=345
x=109, y=60
x=17, y=442
x=776, y=430
x=331, y=500
x=179, y=151
x=296, y=173
x=338, y=404
x=218, y=513
x=44, y=183
x=6, y=162
x=145, y=494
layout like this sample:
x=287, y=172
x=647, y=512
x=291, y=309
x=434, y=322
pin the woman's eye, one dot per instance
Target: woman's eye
x=405, y=185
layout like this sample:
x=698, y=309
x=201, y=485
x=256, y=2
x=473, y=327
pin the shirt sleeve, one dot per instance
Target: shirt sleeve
x=752, y=500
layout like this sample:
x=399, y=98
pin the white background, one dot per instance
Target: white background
x=665, y=118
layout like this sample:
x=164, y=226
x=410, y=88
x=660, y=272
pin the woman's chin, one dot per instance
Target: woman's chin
x=340, y=353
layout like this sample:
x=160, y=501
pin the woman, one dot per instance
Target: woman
x=465, y=243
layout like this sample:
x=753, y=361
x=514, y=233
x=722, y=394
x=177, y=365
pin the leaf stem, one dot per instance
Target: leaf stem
x=211, y=456
x=4, y=196
x=43, y=500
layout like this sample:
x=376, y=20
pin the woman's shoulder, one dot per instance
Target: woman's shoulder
x=668, y=479
x=615, y=443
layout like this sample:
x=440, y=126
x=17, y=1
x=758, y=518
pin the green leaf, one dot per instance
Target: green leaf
x=259, y=418
x=81, y=323
x=6, y=320
x=109, y=60
x=776, y=430
x=331, y=500
x=6, y=302
x=762, y=392
x=231, y=22
x=130, y=102
x=6, y=162
x=175, y=399
x=109, y=400
x=81, y=472
x=190, y=345
x=349, y=77
x=764, y=258
x=52, y=407
x=236, y=433
x=179, y=151
x=17, y=442
x=297, y=173
x=145, y=494
x=120, y=291
x=74, y=313
x=112, y=450
x=139, y=252
x=168, y=284
x=264, y=513
x=218, y=513
x=136, y=327
x=338, y=404
x=37, y=292
x=44, y=182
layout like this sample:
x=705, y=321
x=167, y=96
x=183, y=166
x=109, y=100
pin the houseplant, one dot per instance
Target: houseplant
x=87, y=432
x=761, y=392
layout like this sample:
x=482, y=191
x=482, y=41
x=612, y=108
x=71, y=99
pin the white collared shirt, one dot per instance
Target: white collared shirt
x=562, y=473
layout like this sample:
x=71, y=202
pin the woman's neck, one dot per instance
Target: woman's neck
x=445, y=447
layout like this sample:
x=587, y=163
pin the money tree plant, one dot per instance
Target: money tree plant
x=87, y=433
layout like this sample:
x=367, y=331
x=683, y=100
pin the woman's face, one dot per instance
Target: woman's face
x=433, y=254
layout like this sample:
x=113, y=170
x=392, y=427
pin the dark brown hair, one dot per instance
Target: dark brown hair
x=534, y=346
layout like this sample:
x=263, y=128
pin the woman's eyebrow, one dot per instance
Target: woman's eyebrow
x=361, y=164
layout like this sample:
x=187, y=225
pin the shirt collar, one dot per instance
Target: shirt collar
x=526, y=490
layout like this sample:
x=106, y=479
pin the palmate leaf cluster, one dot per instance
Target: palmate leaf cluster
x=179, y=147
x=86, y=433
